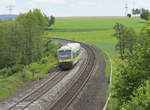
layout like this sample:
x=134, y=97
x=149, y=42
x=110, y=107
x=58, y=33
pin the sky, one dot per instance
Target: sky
x=74, y=7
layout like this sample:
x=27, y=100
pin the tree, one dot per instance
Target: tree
x=119, y=30
x=129, y=15
x=51, y=21
x=131, y=73
x=136, y=11
x=140, y=98
x=20, y=39
x=34, y=23
x=126, y=38
x=130, y=37
x=145, y=14
x=133, y=11
x=128, y=87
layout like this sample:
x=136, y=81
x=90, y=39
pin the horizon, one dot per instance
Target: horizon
x=63, y=8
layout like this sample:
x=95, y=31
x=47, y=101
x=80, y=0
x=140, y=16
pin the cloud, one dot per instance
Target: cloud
x=142, y=4
x=49, y=1
x=87, y=3
x=4, y=6
x=7, y=2
x=4, y=2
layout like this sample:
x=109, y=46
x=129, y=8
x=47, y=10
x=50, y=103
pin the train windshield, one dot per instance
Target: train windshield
x=65, y=54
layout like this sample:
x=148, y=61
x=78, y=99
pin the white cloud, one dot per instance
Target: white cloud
x=4, y=2
x=5, y=5
x=7, y=2
x=49, y=1
x=31, y=5
x=142, y=4
x=86, y=3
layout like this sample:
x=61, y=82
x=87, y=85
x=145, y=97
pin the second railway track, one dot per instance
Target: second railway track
x=65, y=100
x=36, y=94
x=69, y=95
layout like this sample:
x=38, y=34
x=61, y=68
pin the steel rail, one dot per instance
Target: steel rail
x=44, y=85
x=87, y=70
x=65, y=100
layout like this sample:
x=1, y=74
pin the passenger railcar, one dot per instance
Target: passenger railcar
x=69, y=55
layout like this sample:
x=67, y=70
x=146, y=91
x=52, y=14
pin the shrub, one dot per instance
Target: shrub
x=140, y=100
x=129, y=15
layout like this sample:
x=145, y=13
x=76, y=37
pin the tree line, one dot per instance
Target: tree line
x=131, y=82
x=20, y=39
x=144, y=13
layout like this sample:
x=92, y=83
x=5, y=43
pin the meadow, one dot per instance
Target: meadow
x=94, y=31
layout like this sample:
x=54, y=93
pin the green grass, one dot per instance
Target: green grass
x=96, y=31
x=91, y=30
x=92, y=24
x=12, y=83
x=8, y=85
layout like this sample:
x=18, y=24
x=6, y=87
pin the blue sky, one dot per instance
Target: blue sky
x=74, y=7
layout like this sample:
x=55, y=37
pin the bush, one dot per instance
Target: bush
x=140, y=100
x=16, y=68
x=129, y=15
x=51, y=48
x=44, y=60
x=145, y=14
x=4, y=72
x=11, y=70
x=35, y=67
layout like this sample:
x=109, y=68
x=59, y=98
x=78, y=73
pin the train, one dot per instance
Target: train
x=68, y=55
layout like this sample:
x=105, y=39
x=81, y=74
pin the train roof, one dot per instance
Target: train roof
x=70, y=46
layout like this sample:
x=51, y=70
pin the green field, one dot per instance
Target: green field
x=95, y=31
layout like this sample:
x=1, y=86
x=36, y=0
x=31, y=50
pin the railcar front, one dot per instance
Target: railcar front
x=65, y=59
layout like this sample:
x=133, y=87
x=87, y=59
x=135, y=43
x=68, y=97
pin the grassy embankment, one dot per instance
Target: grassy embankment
x=27, y=74
x=95, y=31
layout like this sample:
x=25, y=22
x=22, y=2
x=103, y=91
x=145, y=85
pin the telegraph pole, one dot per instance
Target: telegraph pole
x=10, y=9
x=126, y=8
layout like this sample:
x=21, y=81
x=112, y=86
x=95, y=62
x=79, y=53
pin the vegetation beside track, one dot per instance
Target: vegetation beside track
x=25, y=54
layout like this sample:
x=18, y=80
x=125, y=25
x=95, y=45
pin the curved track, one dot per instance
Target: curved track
x=36, y=94
x=65, y=100
x=69, y=95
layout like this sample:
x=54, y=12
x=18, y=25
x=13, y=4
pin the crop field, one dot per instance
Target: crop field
x=95, y=31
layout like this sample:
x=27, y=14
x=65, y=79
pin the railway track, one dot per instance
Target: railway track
x=36, y=94
x=69, y=95
x=65, y=100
